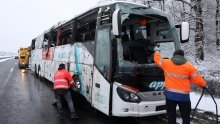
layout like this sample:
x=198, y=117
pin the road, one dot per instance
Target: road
x=27, y=100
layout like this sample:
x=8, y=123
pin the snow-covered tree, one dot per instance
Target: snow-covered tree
x=217, y=17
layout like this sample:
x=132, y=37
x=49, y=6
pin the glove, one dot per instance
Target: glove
x=156, y=48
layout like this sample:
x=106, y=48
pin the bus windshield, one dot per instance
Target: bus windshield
x=141, y=31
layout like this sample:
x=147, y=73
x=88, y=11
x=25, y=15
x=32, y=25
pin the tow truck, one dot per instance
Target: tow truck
x=24, y=54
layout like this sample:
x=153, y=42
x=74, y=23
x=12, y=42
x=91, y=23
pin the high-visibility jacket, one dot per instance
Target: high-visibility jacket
x=178, y=77
x=62, y=80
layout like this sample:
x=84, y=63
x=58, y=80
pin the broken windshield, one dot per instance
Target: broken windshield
x=142, y=29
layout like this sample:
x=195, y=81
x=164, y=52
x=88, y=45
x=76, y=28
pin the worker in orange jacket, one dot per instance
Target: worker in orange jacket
x=179, y=73
x=62, y=80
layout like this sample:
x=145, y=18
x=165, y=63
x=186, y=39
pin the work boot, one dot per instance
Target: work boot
x=74, y=116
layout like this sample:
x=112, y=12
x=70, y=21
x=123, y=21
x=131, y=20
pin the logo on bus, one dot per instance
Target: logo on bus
x=157, y=85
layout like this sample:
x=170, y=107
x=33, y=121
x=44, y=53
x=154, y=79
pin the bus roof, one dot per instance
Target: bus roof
x=106, y=3
x=101, y=4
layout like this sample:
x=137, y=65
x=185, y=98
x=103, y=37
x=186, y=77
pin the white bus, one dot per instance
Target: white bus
x=110, y=48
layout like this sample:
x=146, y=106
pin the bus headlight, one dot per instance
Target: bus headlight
x=127, y=95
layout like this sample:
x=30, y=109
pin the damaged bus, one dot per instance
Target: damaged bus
x=110, y=49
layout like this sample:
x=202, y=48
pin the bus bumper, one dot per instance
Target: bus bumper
x=121, y=108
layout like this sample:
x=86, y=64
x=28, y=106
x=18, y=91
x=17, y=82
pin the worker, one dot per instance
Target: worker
x=62, y=80
x=178, y=75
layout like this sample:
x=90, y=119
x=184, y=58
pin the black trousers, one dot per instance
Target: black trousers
x=184, y=107
x=68, y=98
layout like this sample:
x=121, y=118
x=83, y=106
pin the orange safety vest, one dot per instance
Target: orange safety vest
x=178, y=77
x=62, y=80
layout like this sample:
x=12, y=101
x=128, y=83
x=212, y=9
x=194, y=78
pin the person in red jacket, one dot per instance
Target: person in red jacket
x=62, y=81
x=179, y=73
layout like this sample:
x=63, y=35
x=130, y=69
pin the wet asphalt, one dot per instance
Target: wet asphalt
x=24, y=99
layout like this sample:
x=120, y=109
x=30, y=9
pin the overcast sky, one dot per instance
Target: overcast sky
x=23, y=20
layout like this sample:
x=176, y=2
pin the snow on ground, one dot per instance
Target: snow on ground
x=206, y=103
x=4, y=56
x=2, y=60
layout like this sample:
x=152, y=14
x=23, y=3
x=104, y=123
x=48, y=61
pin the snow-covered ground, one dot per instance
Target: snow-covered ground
x=206, y=103
x=4, y=56
x=2, y=60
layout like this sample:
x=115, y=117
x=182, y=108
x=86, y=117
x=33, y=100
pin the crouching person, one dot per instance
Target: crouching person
x=62, y=81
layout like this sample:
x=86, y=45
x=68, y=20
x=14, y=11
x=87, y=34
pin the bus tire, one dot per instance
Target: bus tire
x=42, y=79
x=35, y=71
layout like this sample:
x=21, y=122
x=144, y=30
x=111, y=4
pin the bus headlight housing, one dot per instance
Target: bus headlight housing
x=128, y=96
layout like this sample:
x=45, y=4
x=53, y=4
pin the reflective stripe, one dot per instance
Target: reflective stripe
x=60, y=80
x=176, y=76
x=71, y=82
x=61, y=87
x=194, y=75
x=160, y=63
x=177, y=91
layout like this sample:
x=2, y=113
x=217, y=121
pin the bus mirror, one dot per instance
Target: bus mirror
x=184, y=32
x=116, y=23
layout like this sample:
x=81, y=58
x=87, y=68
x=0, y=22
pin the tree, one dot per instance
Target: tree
x=217, y=18
x=199, y=32
x=195, y=17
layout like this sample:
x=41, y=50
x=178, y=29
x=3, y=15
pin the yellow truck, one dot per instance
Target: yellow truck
x=24, y=54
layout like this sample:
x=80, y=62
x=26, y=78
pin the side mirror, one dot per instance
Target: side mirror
x=184, y=32
x=116, y=22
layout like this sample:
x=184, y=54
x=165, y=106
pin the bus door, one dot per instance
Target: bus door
x=101, y=89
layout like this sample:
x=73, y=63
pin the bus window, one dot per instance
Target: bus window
x=53, y=38
x=85, y=27
x=139, y=36
x=65, y=37
x=45, y=41
x=86, y=33
x=33, y=44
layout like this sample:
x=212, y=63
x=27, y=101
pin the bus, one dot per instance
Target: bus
x=110, y=49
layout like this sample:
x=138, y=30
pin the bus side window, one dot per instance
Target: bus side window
x=45, y=41
x=53, y=38
x=59, y=33
x=64, y=34
x=33, y=44
x=85, y=28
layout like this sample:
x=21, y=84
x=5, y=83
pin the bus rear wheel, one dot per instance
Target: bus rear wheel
x=35, y=71
x=40, y=75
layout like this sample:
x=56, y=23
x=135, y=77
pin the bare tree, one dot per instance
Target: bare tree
x=195, y=17
x=217, y=17
x=199, y=35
